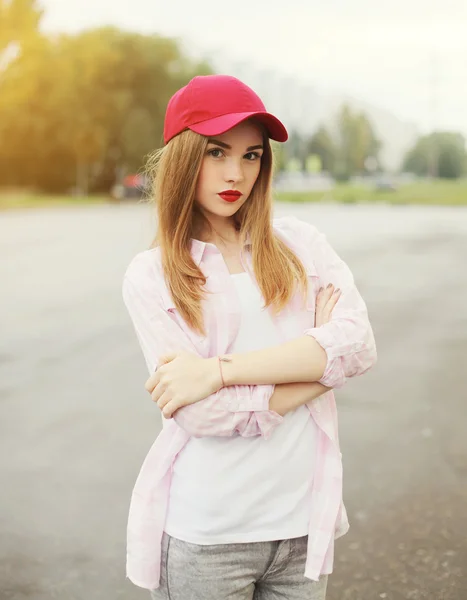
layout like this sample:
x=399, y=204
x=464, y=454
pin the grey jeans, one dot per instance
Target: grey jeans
x=250, y=571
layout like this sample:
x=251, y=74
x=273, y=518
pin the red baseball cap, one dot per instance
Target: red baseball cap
x=213, y=104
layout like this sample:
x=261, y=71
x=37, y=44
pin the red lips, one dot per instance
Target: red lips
x=230, y=195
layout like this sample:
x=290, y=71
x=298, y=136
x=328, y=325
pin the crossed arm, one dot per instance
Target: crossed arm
x=294, y=369
x=261, y=386
x=243, y=409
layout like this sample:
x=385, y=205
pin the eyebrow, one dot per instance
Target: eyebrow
x=227, y=147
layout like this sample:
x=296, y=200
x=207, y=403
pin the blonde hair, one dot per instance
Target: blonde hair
x=173, y=172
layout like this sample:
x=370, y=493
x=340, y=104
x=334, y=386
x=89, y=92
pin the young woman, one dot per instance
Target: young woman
x=240, y=496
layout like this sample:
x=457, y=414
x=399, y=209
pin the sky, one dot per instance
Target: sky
x=407, y=56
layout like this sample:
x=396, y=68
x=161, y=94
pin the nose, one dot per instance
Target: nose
x=233, y=171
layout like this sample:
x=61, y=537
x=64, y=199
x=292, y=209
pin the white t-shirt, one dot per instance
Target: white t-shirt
x=237, y=489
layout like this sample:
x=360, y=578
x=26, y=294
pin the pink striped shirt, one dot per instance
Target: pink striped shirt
x=244, y=409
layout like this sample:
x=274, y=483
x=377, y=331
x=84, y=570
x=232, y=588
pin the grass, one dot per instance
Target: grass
x=15, y=200
x=429, y=193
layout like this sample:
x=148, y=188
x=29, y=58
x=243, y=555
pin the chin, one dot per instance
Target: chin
x=227, y=210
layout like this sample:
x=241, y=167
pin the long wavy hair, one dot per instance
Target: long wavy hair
x=173, y=173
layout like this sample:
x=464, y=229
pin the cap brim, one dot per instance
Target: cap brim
x=219, y=125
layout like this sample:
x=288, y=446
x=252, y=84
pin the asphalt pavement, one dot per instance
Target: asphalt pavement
x=76, y=423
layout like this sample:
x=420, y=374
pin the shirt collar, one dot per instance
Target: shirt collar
x=198, y=248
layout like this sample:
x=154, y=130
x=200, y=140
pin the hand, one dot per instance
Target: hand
x=325, y=302
x=183, y=378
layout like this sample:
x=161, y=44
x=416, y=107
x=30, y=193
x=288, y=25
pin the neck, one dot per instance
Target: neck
x=219, y=229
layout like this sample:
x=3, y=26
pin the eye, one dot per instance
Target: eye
x=251, y=156
x=215, y=152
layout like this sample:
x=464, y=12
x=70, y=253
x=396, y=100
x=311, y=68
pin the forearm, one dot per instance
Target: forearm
x=298, y=360
x=223, y=415
x=233, y=410
x=289, y=396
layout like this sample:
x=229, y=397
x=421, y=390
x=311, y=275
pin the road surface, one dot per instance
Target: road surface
x=75, y=422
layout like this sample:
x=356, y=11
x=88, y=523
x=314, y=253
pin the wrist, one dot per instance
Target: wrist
x=226, y=368
x=214, y=373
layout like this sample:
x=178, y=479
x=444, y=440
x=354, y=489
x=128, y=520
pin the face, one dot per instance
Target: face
x=229, y=170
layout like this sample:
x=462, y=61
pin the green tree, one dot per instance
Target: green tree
x=279, y=156
x=295, y=150
x=346, y=145
x=322, y=144
x=356, y=142
x=24, y=87
x=441, y=154
x=81, y=109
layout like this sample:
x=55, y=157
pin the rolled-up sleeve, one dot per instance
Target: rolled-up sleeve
x=233, y=410
x=348, y=337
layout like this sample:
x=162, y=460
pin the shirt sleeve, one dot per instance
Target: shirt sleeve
x=348, y=337
x=233, y=410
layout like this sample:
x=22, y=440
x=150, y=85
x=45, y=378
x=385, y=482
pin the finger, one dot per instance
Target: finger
x=319, y=297
x=324, y=304
x=157, y=392
x=166, y=358
x=328, y=291
x=323, y=298
x=333, y=299
x=325, y=294
x=319, y=307
x=152, y=382
x=170, y=408
x=327, y=310
x=163, y=400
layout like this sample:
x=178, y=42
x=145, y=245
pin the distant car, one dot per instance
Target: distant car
x=385, y=185
x=134, y=186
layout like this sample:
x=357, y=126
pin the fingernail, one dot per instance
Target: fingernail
x=329, y=285
x=337, y=291
x=320, y=289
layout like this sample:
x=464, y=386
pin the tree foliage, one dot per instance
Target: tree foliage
x=356, y=142
x=439, y=154
x=343, y=147
x=323, y=145
x=19, y=21
x=84, y=107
